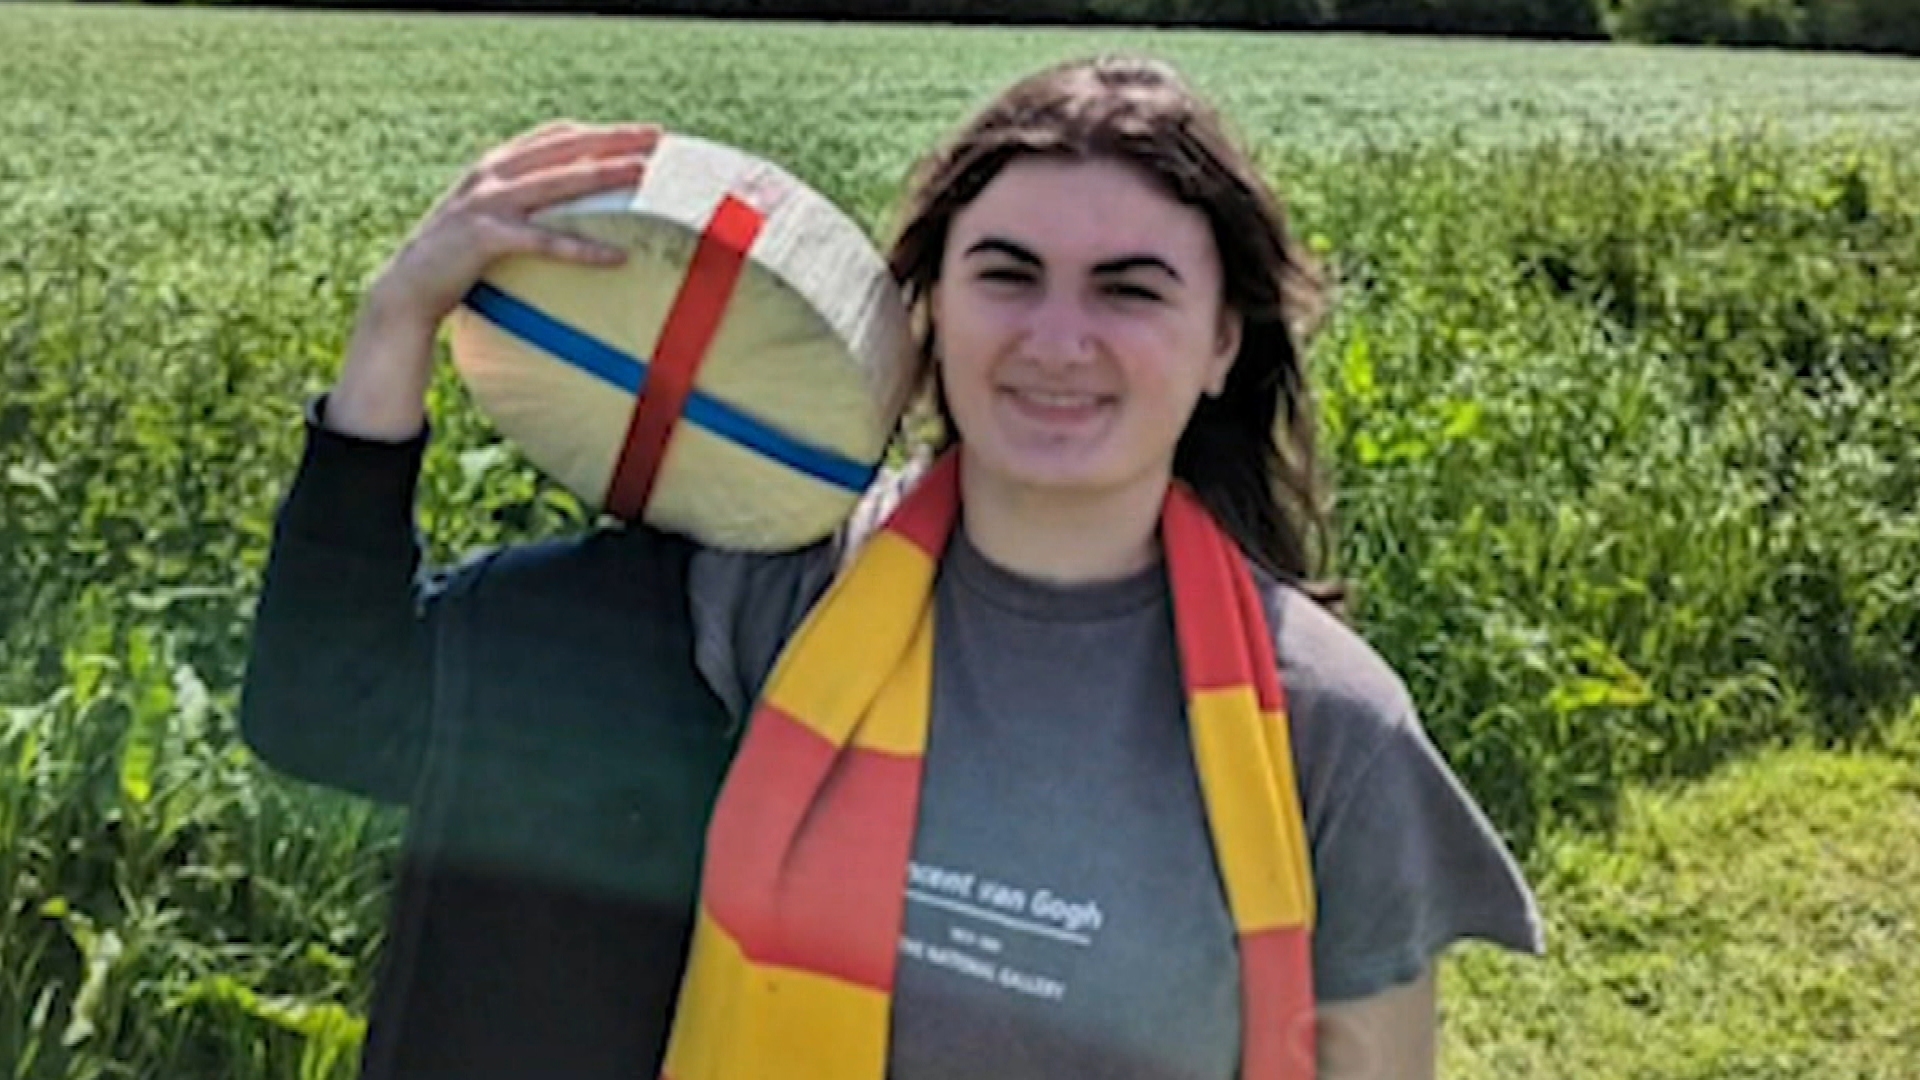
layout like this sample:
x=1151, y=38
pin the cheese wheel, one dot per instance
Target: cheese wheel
x=736, y=380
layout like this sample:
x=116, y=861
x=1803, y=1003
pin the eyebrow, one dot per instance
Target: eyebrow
x=1111, y=266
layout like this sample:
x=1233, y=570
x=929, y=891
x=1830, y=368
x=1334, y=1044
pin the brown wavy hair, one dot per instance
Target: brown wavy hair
x=1249, y=453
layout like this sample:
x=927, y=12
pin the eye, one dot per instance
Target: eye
x=1006, y=274
x=1126, y=291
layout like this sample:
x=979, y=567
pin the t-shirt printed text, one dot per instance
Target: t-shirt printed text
x=994, y=931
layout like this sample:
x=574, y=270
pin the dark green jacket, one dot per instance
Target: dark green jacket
x=538, y=713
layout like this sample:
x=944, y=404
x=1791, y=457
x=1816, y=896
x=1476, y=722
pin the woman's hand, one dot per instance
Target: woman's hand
x=485, y=216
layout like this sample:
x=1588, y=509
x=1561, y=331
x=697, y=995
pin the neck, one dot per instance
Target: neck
x=1068, y=538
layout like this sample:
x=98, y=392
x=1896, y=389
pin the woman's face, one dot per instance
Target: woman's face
x=1079, y=320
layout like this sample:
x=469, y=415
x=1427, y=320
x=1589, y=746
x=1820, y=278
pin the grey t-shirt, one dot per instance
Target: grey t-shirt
x=1064, y=912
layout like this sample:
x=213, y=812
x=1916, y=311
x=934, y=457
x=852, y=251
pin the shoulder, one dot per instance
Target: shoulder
x=1405, y=861
x=557, y=607
x=558, y=603
x=724, y=582
x=608, y=566
x=746, y=605
x=720, y=579
x=1345, y=701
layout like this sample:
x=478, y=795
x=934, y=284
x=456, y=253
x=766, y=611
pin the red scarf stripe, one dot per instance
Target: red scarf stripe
x=1267, y=685
x=844, y=892
x=926, y=521
x=1212, y=637
x=1277, y=1005
x=838, y=893
x=779, y=767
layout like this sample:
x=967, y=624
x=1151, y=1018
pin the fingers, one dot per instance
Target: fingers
x=500, y=237
x=560, y=184
x=486, y=215
x=530, y=137
x=566, y=143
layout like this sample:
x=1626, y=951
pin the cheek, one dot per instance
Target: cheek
x=972, y=313
x=1170, y=360
x=969, y=335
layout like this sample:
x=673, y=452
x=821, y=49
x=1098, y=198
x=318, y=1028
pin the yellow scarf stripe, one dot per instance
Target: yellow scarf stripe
x=1290, y=828
x=1244, y=800
x=854, y=640
x=1277, y=734
x=898, y=722
x=774, y=1021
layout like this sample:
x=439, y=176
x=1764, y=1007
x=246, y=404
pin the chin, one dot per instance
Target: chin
x=1046, y=474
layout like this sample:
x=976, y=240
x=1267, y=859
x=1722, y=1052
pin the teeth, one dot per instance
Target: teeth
x=1057, y=401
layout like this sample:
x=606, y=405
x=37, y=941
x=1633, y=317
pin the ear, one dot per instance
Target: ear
x=1226, y=348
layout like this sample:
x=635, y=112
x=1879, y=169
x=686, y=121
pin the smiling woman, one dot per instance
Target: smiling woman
x=1057, y=760
x=1120, y=678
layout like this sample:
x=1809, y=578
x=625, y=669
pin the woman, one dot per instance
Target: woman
x=1057, y=763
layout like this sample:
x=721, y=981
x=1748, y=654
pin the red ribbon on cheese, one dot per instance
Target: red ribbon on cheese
x=685, y=338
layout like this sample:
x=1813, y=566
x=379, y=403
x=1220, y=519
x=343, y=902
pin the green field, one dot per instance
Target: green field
x=1622, y=398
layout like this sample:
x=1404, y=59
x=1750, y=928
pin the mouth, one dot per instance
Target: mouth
x=1057, y=407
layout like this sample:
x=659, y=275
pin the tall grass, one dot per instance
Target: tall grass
x=1626, y=441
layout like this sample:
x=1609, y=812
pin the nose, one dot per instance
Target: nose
x=1060, y=331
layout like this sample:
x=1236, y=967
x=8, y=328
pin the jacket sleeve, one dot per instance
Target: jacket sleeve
x=339, y=681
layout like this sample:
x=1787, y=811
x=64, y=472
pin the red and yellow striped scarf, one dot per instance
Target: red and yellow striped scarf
x=804, y=891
